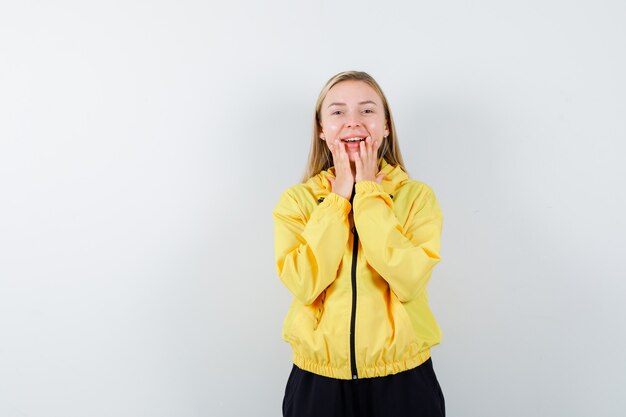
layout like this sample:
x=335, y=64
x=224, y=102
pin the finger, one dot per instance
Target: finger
x=363, y=149
x=337, y=150
x=332, y=145
x=343, y=152
x=338, y=155
x=376, y=147
x=370, y=153
x=367, y=151
x=359, y=167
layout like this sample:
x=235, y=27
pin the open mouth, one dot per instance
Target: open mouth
x=353, y=140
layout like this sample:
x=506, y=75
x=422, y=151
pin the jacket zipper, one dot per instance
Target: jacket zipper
x=355, y=252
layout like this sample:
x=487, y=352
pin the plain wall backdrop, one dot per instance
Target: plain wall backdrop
x=143, y=146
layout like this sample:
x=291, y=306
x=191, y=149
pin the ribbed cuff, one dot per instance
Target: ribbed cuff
x=334, y=200
x=368, y=187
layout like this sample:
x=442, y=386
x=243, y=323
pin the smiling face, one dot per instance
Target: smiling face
x=352, y=109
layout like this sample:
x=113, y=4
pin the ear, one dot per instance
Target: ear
x=322, y=137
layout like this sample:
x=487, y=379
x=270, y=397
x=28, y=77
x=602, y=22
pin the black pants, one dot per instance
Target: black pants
x=415, y=393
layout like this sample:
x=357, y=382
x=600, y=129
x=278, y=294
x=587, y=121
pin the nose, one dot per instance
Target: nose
x=353, y=119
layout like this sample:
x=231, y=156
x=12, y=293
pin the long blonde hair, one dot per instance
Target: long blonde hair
x=320, y=158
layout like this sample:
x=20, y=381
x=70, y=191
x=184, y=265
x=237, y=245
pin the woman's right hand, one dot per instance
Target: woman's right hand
x=344, y=180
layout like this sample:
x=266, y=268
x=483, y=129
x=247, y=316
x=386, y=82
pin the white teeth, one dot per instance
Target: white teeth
x=353, y=139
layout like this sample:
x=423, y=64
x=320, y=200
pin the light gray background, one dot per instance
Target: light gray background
x=144, y=145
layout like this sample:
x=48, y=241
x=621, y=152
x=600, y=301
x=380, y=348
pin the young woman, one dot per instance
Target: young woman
x=355, y=243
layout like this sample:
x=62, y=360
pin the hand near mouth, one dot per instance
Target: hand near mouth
x=366, y=161
x=344, y=181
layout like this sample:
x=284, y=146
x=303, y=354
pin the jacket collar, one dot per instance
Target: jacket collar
x=321, y=186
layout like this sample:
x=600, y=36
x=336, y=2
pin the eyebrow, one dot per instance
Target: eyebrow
x=343, y=104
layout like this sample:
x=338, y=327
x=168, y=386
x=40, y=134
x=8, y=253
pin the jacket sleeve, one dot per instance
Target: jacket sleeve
x=403, y=256
x=308, y=252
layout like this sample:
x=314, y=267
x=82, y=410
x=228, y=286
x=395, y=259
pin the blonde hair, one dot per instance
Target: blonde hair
x=320, y=158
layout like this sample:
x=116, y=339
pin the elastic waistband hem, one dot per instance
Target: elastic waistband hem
x=363, y=372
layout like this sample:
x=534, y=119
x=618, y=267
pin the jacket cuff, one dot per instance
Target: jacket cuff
x=334, y=200
x=368, y=187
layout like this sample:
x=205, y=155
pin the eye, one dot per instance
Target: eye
x=336, y=111
x=368, y=110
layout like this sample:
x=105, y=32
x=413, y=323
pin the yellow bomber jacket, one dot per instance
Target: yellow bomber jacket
x=358, y=271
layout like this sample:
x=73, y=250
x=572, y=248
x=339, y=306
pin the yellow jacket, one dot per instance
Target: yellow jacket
x=360, y=307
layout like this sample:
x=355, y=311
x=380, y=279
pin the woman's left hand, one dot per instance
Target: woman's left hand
x=366, y=161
